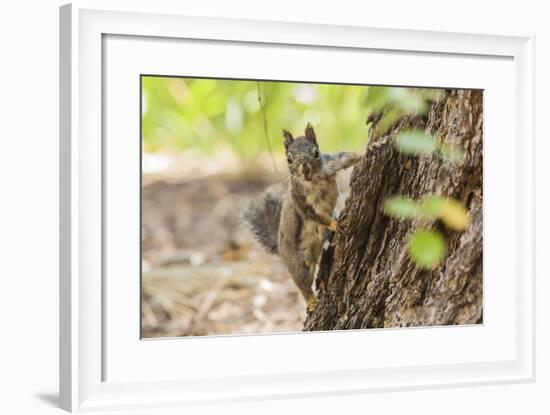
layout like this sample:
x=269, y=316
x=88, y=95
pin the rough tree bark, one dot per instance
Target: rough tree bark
x=366, y=278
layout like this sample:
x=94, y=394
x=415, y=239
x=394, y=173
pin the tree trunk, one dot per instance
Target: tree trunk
x=366, y=278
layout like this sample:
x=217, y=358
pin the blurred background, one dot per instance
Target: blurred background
x=208, y=147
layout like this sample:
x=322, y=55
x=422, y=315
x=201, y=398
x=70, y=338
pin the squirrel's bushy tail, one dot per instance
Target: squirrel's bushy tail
x=264, y=215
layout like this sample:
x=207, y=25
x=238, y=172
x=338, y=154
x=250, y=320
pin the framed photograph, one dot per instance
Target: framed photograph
x=255, y=210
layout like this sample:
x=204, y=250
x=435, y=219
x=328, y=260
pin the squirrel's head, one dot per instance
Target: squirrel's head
x=302, y=154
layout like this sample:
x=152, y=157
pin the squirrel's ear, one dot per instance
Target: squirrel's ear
x=288, y=139
x=310, y=134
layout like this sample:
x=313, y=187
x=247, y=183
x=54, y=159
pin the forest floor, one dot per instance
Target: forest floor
x=202, y=274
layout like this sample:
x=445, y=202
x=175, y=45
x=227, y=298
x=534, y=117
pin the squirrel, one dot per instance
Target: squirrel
x=290, y=220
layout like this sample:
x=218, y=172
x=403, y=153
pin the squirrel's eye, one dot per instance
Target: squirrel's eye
x=289, y=158
x=316, y=153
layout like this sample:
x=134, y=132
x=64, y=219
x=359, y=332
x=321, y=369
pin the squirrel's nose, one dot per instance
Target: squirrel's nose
x=306, y=169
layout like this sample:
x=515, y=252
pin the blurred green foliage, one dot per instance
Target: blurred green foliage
x=391, y=103
x=451, y=212
x=427, y=248
x=400, y=207
x=207, y=114
x=417, y=142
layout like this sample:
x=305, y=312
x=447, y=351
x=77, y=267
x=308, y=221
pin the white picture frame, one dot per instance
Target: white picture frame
x=85, y=306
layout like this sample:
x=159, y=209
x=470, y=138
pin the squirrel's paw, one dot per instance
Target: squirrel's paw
x=312, y=303
x=339, y=227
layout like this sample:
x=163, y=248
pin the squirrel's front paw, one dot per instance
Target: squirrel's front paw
x=312, y=303
x=339, y=227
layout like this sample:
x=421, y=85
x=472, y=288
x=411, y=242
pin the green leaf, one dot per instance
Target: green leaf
x=377, y=97
x=407, y=100
x=451, y=153
x=389, y=118
x=415, y=142
x=427, y=248
x=400, y=207
x=431, y=206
